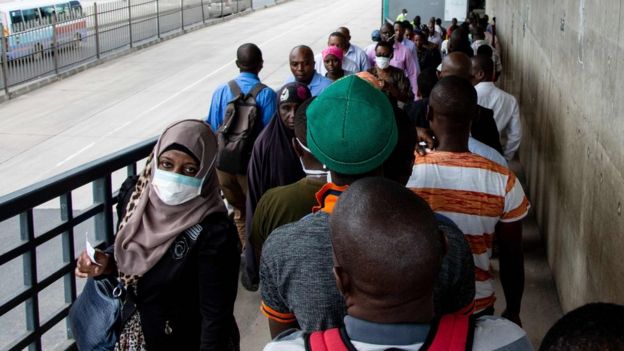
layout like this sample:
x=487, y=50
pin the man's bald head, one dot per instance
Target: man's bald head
x=386, y=243
x=482, y=68
x=454, y=100
x=345, y=31
x=301, y=61
x=249, y=58
x=457, y=64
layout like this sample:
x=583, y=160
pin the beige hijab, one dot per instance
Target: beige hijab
x=153, y=225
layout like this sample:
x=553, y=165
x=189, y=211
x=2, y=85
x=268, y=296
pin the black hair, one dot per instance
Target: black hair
x=249, y=57
x=386, y=239
x=455, y=99
x=339, y=35
x=182, y=148
x=438, y=21
x=485, y=50
x=595, y=326
x=385, y=44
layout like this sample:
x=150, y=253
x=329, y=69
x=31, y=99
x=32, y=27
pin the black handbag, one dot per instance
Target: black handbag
x=95, y=316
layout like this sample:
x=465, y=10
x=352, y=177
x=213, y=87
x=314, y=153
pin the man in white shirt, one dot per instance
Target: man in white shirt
x=338, y=40
x=353, y=52
x=504, y=105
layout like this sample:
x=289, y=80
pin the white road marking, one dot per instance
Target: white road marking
x=76, y=154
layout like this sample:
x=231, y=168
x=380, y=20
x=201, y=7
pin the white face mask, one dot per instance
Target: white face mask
x=175, y=189
x=382, y=62
x=312, y=172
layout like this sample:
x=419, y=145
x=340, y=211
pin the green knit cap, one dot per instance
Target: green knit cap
x=351, y=127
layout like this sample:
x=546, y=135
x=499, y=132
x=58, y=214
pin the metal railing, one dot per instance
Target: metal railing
x=18, y=210
x=46, y=46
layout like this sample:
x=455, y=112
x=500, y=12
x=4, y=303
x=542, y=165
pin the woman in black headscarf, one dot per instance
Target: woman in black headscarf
x=273, y=160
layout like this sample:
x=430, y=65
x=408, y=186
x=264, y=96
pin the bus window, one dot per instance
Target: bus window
x=16, y=16
x=62, y=11
x=46, y=14
x=30, y=15
x=76, y=8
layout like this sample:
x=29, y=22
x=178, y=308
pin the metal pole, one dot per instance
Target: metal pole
x=55, y=42
x=221, y=1
x=182, y=13
x=203, y=14
x=130, y=22
x=5, y=64
x=158, y=17
x=97, y=31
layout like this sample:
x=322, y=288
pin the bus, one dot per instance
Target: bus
x=30, y=27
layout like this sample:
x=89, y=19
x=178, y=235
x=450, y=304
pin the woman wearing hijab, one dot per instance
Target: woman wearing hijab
x=176, y=251
x=273, y=162
x=392, y=80
x=332, y=60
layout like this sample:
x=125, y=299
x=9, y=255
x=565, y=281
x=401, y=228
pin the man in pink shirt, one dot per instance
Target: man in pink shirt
x=402, y=57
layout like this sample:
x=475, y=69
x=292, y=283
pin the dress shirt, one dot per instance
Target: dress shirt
x=410, y=45
x=506, y=115
x=317, y=84
x=357, y=55
x=266, y=100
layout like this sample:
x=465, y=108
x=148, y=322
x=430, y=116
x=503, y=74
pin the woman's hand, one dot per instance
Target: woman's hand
x=86, y=268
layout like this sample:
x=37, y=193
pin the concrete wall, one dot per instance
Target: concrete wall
x=564, y=61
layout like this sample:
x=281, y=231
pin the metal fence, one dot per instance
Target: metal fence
x=44, y=252
x=50, y=44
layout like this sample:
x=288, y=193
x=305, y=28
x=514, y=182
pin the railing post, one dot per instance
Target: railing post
x=182, y=13
x=97, y=30
x=203, y=12
x=158, y=17
x=69, y=281
x=27, y=233
x=55, y=43
x=102, y=193
x=130, y=21
x=221, y=1
x=5, y=58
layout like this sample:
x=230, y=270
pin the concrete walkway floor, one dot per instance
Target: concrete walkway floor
x=540, y=304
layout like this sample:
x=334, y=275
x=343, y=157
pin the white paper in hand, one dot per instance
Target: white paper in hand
x=90, y=250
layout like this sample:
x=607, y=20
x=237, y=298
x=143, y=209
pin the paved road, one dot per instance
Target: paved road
x=127, y=100
x=122, y=102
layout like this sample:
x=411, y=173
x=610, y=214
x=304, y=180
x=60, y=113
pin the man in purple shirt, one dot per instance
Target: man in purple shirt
x=402, y=57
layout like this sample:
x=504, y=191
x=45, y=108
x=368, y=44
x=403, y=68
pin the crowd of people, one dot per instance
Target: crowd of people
x=366, y=196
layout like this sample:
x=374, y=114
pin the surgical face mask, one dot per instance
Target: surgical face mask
x=382, y=62
x=312, y=172
x=175, y=189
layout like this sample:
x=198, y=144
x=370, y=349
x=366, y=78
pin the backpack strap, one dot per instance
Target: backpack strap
x=454, y=332
x=328, y=340
x=234, y=88
x=256, y=90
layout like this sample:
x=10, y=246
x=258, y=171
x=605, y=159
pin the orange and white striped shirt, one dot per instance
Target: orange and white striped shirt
x=476, y=194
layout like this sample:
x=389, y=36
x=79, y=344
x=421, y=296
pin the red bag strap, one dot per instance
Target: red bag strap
x=328, y=340
x=452, y=334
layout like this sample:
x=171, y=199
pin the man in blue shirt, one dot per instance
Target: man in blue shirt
x=302, y=67
x=249, y=61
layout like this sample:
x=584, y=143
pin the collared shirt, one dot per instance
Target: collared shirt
x=357, y=55
x=266, y=100
x=435, y=38
x=490, y=333
x=506, y=115
x=403, y=59
x=317, y=84
x=411, y=46
x=348, y=65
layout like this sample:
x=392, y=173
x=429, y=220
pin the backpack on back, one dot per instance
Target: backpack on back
x=453, y=332
x=239, y=130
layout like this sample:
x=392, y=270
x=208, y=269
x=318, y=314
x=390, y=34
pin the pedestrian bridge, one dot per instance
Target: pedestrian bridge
x=67, y=146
